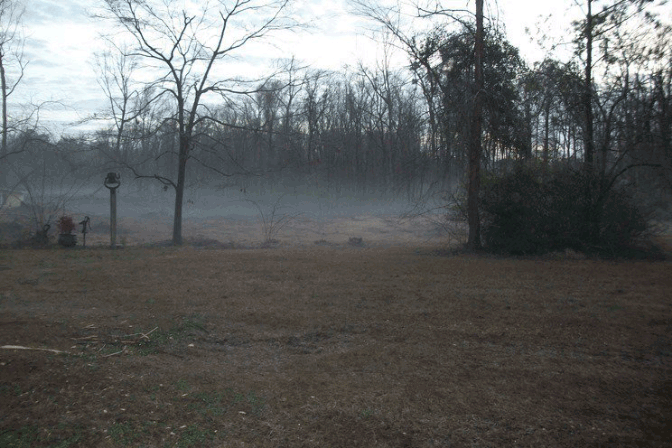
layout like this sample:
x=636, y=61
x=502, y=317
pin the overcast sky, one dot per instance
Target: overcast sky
x=61, y=39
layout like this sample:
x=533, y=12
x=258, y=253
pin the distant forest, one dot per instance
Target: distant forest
x=378, y=130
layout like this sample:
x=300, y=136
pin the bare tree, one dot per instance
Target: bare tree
x=116, y=80
x=11, y=57
x=588, y=88
x=474, y=169
x=599, y=28
x=50, y=174
x=388, y=18
x=182, y=47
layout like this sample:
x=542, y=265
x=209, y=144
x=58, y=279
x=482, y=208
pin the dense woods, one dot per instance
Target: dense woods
x=378, y=130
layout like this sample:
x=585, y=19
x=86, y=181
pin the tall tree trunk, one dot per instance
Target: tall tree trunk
x=527, y=150
x=588, y=93
x=547, y=122
x=3, y=81
x=592, y=207
x=179, y=190
x=474, y=169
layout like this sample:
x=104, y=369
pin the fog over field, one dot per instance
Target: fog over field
x=251, y=216
x=572, y=152
x=235, y=204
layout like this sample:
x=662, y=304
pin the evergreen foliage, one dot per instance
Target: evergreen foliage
x=527, y=213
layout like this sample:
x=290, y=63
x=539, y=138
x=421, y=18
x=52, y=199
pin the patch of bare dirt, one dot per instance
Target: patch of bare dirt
x=339, y=346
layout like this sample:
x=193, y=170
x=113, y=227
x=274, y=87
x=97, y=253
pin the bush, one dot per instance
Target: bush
x=524, y=213
x=65, y=224
x=509, y=207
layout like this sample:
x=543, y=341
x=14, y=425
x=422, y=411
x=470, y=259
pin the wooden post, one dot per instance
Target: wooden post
x=86, y=222
x=112, y=183
x=113, y=218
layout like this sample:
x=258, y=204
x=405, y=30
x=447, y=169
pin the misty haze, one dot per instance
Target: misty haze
x=244, y=217
x=335, y=223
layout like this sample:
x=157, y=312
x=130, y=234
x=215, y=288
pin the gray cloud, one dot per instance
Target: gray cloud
x=47, y=12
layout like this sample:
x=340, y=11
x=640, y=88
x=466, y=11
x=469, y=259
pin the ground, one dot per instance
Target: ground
x=314, y=342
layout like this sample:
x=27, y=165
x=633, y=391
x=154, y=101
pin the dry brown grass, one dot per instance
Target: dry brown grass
x=332, y=347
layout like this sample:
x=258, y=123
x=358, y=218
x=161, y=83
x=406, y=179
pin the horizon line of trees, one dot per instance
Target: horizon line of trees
x=404, y=131
x=380, y=129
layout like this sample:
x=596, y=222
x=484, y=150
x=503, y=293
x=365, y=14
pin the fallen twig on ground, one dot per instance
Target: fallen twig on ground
x=115, y=353
x=20, y=347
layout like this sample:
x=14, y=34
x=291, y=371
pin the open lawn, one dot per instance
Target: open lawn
x=331, y=346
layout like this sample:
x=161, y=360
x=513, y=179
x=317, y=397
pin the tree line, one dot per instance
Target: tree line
x=375, y=129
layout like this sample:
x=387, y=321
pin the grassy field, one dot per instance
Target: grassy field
x=331, y=347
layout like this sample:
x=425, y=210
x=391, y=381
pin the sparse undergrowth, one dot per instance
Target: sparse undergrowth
x=331, y=347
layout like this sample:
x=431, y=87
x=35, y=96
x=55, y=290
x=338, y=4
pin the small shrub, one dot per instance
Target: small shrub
x=66, y=224
x=272, y=222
